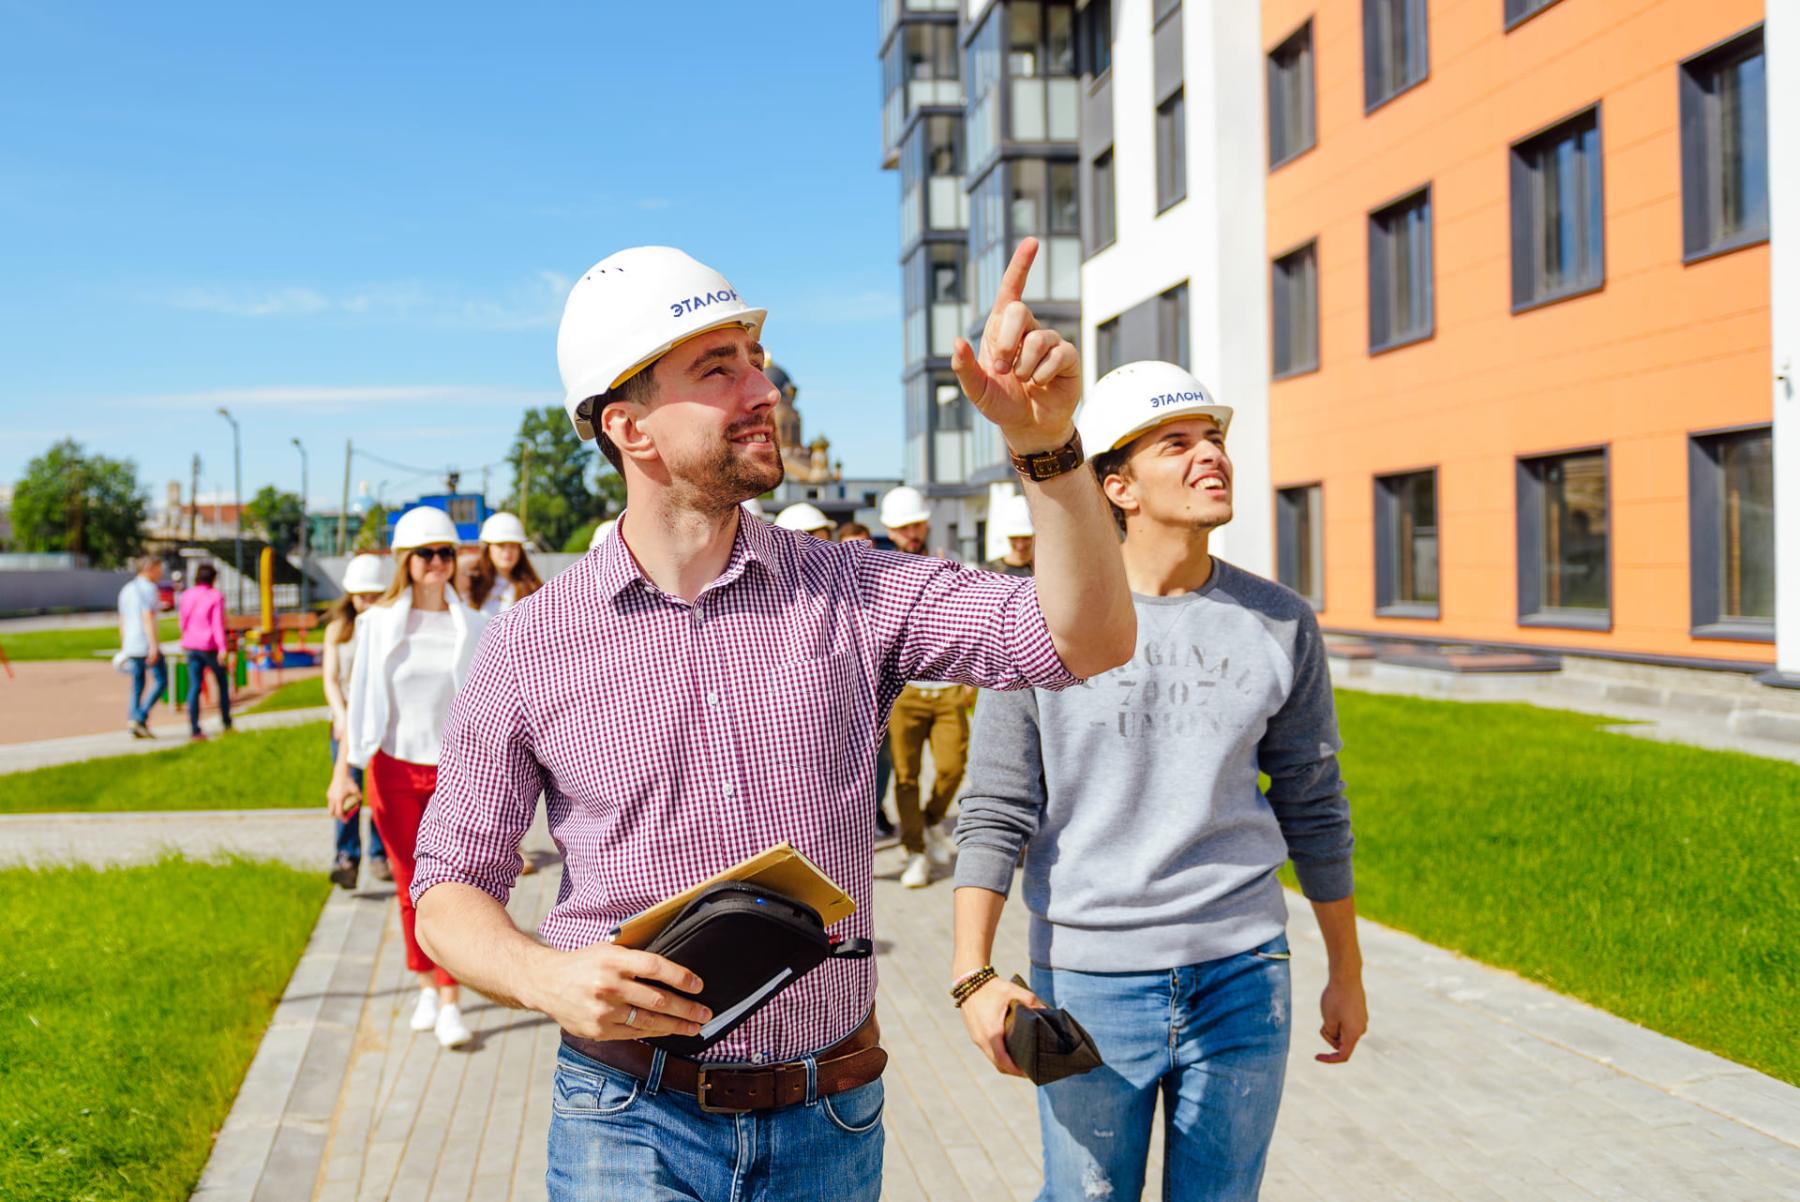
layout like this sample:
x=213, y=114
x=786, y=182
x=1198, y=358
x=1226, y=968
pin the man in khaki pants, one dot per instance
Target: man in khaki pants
x=925, y=710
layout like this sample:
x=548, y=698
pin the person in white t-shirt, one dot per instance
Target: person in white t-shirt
x=503, y=546
x=413, y=648
x=139, y=603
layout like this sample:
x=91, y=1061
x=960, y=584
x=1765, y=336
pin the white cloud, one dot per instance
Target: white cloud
x=342, y=398
x=533, y=303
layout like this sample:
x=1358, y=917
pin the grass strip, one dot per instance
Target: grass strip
x=294, y=695
x=87, y=642
x=286, y=767
x=1655, y=881
x=131, y=1003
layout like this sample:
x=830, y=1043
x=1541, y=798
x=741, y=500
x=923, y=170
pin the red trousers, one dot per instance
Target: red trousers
x=398, y=794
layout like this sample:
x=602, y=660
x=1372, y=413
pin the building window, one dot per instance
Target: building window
x=1394, y=48
x=1517, y=10
x=1406, y=545
x=1042, y=71
x=1171, y=151
x=1106, y=201
x=1096, y=37
x=1294, y=297
x=1400, y=292
x=1558, y=242
x=1731, y=501
x=1725, y=147
x=935, y=301
x=1564, y=565
x=1291, y=97
x=1172, y=325
x=1106, y=347
x=931, y=179
x=1033, y=197
x=1300, y=541
x=985, y=75
x=1166, y=9
x=919, y=68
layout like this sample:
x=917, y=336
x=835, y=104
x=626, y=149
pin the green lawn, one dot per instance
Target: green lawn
x=1658, y=882
x=131, y=1003
x=294, y=695
x=266, y=769
x=85, y=643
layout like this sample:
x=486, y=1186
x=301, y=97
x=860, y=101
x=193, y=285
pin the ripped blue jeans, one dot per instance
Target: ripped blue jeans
x=1209, y=1042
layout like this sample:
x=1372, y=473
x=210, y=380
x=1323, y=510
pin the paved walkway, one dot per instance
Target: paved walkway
x=171, y=733
x=1472, y=1085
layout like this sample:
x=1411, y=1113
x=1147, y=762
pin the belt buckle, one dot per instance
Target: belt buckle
x=701, y=1087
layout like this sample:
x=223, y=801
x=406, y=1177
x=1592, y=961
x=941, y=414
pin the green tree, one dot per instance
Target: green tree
x=280, y=515
x=69, y=500
x=553, y=477
x=371, y=536
x=580, y=537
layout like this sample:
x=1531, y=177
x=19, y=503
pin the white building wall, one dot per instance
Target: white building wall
x=1213, y=239
x=1781, y=43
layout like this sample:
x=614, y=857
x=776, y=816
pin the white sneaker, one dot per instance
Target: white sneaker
x=938, y=848
x=425, y=1014
x=917, y=874
x=452, y=1032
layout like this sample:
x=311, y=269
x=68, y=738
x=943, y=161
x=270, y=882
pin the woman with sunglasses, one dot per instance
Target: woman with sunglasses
x=413, y=651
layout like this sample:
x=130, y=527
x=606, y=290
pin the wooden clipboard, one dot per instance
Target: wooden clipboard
x=780, y=868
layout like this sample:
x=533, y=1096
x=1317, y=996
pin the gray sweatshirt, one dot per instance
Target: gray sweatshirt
x=1149, y=844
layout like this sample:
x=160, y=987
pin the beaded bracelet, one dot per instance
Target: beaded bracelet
x=966, y=986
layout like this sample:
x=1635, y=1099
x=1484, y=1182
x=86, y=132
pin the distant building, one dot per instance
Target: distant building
x=202, y=518
x=810, y=474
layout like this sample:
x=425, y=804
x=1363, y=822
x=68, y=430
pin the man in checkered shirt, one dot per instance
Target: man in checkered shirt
x=701, y=687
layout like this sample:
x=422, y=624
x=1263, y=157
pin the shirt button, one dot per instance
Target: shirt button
x=729, y=790
x=712, y=699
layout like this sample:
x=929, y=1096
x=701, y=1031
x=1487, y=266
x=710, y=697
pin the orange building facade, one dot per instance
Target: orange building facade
x=1520, y=361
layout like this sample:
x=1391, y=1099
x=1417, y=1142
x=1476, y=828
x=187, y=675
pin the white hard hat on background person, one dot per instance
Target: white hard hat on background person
x=1013, y=519
x=903, y=506
x=601, y=531
x=629, y=310
x=803, y=518
x=1140, y=396
x=366, y=574
x=503, y=528
x=754, y=508
x=423, y=526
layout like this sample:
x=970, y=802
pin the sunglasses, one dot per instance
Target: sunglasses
x=445, y=553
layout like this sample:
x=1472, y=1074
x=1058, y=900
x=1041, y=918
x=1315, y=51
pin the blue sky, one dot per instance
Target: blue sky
x=360, y=220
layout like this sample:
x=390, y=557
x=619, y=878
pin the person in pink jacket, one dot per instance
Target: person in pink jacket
x=202, y=613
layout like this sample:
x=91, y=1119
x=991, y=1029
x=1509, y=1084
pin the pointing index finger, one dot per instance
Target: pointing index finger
x=1012, y=284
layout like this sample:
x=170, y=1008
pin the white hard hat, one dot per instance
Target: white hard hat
x=803, y=518
x=1012, y=517
x=503, y=528
x=754, y=508
x=903, y=506
x=366, y=574
x=423, y=526
x=601, y=531
x=1140, y=396
x=629, y=310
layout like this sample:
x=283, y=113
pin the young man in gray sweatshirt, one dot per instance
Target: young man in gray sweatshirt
x=1157, y=919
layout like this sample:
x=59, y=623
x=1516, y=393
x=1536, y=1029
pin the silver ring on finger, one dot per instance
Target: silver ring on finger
x=631, y=1017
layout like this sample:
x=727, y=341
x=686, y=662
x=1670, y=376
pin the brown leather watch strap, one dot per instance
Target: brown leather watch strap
x=1047, y=465
x=854, y=1061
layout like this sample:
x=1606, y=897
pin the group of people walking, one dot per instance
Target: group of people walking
x=200, y=613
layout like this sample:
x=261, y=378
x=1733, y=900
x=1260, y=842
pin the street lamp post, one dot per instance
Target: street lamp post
x=305, y=528
x=237, y=498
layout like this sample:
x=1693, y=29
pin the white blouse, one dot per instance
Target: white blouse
x=421, y=688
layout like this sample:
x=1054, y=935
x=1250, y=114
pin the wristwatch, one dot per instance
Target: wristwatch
x=1047, y=465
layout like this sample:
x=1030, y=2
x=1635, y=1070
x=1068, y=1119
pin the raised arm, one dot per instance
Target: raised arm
x=1027, y=380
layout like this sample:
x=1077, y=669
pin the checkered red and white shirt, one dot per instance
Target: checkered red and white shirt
x=671, y=740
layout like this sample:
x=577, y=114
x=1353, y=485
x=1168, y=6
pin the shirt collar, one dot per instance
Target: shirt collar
x=618, y=568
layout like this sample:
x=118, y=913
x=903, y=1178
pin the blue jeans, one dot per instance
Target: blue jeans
x=349, y=830
x=1208, y=1041
x=137, y=708
x=614, y=1138
x=207, y=661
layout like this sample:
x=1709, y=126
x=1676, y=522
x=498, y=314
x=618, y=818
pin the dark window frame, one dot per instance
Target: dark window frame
x=1701, y=168
x=1706, y=565
x=1105, y=233
x=1176, y=105
x=1174, y=314
x=1529, y=544
x=1280, y=315
x=1088, y=34
x=1389, y=551
x=1288, y=548
x=1514, y=13
x=1106, y=339
x=1383, y=258
x=1407, y=8
x=1526, y=220
x=1300, y=41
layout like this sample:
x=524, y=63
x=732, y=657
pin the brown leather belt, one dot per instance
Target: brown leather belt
x=851, y=1062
